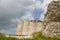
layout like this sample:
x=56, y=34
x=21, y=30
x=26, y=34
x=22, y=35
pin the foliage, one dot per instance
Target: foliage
x=39, y=36
x=36, y=36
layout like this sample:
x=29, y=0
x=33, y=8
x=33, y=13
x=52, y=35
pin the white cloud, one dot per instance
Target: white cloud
x=8, y=31
x=44, y=7
x=16, y=20
x=38, y=4
x=27, y=16
x=13, y=11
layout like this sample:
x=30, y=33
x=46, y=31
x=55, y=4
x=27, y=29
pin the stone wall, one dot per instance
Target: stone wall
x=29, y=26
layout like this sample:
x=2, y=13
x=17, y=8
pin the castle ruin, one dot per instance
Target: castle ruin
x=50, y=26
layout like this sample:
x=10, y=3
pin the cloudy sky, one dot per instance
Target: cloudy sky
x=13, y=12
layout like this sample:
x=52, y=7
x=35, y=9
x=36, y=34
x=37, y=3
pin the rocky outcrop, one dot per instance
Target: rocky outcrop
x=53, y=12
x=52, y=17
x=50, y=27
x=29, y=26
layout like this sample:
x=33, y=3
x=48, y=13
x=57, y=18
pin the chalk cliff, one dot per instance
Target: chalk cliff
x=30, y=26
x=50, y=26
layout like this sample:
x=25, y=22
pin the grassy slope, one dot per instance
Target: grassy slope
x=36, y=36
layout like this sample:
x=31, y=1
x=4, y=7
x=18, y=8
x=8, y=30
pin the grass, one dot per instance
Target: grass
x=2, y=37
x=36, y=36
x=39, y=36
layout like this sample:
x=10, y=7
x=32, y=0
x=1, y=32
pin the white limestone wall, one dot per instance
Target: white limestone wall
x=19, y=29
x=25, y=27
x=31, y=27
x=39, y=26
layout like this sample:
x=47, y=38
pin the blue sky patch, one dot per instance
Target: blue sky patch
x=36, y=13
